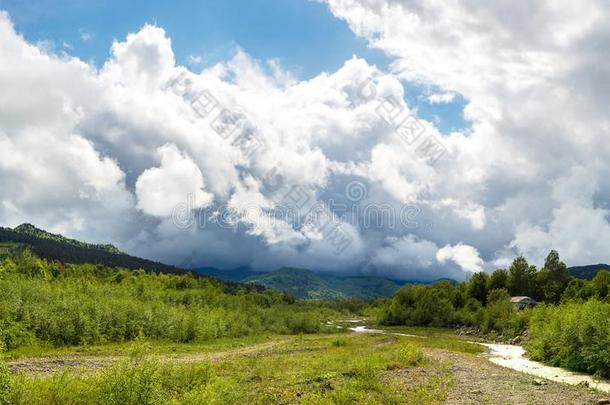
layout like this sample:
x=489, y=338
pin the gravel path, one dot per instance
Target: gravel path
x=477, y=381
x=52, y=364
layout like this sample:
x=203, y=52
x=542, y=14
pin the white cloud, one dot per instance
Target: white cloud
x=441, y=98
x=178, y=180
x=106, y=154
x=536, y=98
x=86, y=36
x=194, y=60
x=467, y=257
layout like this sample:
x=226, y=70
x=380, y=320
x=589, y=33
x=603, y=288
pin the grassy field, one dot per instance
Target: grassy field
x=432, y=367
x=295, y=369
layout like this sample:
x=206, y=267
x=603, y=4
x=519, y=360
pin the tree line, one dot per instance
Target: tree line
x=569, y=328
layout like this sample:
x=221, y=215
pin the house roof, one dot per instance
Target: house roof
x=521, y=299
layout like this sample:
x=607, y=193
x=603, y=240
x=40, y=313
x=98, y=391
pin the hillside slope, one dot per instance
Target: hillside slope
x=56, y=247
x=309, y=285
x=587, y=272
x=237, y=274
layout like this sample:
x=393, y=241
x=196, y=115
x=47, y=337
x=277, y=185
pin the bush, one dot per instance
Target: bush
x=133, y=382
x=573, y=335
x=87, y=305
x=5, y=383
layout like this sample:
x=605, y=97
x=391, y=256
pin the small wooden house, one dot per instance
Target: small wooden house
x=523, y=302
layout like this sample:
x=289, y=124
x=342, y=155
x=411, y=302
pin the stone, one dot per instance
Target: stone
x=540, y=382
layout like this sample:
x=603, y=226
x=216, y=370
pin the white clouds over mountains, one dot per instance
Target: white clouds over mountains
x=108, y=154
x=536, y=82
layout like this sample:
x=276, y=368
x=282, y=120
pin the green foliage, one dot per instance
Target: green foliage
x=31, y=230
x=587, y=272
x=5, y=383
x=420, y=305
x=56, y=247
x=601, y=285
x=522, y=278
x=499, y=279
x=573, y=335
x=500, y=315
x=477, y=287
x=552, y=279
x=483, y=301
x=65, y=305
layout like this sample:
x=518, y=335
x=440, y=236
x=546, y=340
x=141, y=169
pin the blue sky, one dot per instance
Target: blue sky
x=303, y=35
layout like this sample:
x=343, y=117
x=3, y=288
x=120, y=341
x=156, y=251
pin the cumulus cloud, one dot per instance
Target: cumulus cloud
x=464, y=256
x=161, y=189
x=107, y=154
x=537, y=101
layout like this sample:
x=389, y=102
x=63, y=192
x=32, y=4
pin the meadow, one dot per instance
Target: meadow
x=91, y=334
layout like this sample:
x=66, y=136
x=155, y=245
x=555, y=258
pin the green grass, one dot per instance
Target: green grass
x=156, y=347
x=440, y=338
x=309, y=369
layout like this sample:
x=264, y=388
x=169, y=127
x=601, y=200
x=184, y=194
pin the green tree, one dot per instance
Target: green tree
x=522, y=278
x=499, y=279
x=578, y=290
x=477, y=287
x=601, y=284
x=499, y=311
x=553, y=279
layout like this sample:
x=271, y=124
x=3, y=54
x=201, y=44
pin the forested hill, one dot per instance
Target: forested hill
x=57, y=247
x=587, y=272
x=309, y=285
x=31, y=230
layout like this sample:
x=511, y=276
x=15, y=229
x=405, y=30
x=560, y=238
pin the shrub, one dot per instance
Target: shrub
x=573, y=335
x=86, y=305
x=5, y=383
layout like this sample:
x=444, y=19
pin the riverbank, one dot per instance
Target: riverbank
x=414, y=366
x=513, y=357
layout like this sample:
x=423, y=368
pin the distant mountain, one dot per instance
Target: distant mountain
x=309, y=285
x=238, y=274
x=587, y=272
x=57, y=247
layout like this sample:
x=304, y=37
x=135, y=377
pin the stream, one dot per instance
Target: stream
x=513, y=357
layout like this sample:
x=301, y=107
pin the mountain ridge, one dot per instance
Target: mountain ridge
x=57, y=247
x=587, y=272
x=308, y=284
x=29, y=229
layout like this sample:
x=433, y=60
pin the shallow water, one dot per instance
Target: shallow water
x=364, y=329
x=513, y=357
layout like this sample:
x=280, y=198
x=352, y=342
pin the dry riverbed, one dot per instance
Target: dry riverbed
x=451, y=376
x=481, y=382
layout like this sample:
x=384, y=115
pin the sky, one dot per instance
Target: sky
x=404, y=138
